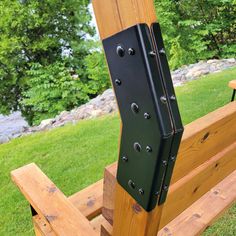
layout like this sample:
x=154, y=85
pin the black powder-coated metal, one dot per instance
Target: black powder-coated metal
x=147, y=123
x=163, y=65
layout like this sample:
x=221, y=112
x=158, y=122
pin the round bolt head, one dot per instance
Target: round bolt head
x=134, y=108
x=162, y=51
x=124, y=159
x=165, y=188
x=131, y=184
x=164, y=163
x=120, y=51
x=163, y=99
x=118, y=82
x=152, y=54
x=131, y=51
x=173, y=98
x=148, y=149
x=156, y=193
x=173, y=158
x=147, y=116
x=137, y=147
x=141, y=191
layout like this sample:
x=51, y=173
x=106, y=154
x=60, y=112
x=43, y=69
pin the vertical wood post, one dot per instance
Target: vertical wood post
x=113, y=16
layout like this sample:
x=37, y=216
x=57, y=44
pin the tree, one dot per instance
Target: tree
x=197, y=29
x=35, y=35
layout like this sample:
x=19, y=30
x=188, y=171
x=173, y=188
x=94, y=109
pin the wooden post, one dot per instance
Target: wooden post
x=112, y=17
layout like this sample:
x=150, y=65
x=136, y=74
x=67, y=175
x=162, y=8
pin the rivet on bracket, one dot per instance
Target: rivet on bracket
x=118, y=82
x=141, y=191
x=152, y=53
x=134, y=108
x=131, y=51
x=120, y=51
x=124, y=159
x=148, y=149
x=147, y=116
x=163, y=99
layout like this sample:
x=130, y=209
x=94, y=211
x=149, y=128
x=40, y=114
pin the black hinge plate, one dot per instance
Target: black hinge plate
x=148, y=132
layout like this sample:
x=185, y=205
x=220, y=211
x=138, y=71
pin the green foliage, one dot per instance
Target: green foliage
x=32, y=32
x=72, y=168
x=195, y=30
x=51, y=89
x=96, y=67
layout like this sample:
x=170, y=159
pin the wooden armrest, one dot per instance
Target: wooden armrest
x=50, y=203
x=232, y=84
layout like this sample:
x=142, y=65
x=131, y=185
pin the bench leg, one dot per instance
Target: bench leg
x=233, y=96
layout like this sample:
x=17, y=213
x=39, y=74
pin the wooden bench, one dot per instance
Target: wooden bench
x=232, y=84
x=203, y=187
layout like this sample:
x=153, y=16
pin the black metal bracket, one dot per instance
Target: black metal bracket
x=151, y=123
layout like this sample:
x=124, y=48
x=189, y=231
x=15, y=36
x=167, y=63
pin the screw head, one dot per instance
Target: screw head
x=162, y=51
x=152, y=54
x=165, y=188
x=124, y=159
x=173, y=98
x=131, y=51
x=134, y=108
x=147, y=116
x=118, y=82
x=131, y=184
x=137, y=147
x=120, y=51
x=163, y=99
x=148, y=149
x=164, y=163
x=141, y=191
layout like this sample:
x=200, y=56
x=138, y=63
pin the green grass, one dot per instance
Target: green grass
x=74, y=156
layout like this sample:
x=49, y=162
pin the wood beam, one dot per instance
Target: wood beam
x=113, y=17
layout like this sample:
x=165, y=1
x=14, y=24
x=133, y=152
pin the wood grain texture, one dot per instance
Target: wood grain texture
x=50, y=203
x=202, y=139
x=89, y=200
x=113, y=17
x=187, y=190
x=205, y=211
x=232, y=84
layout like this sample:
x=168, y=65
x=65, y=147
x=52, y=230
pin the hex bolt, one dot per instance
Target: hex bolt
x=164, y=163
x=124, y=159
x=163, y=99
x=118, y=82
x=134, y=108
x=137, y=147
x=173, y=98
x=148, y=149
x=162, y=51
x=131, y=51
x=131, y=184
x=152, y=53
x=120, y=51
x=147, y=116
x=141, y=191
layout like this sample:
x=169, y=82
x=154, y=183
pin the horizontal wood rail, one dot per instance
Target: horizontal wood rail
x=204, y=139
x=50, y=203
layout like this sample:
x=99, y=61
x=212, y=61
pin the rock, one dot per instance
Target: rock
x=45, y=123
x=4, y=139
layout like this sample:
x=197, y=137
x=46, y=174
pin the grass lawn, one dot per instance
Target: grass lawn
x=74, y=156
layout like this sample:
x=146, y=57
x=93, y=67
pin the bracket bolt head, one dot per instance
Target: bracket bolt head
x=141, y=191
x=118, y=82
x=173, y=158
x=131, y=51
x=152, y=54
x=134, y=108
x=120, y=51
x=124, y=159
x=163, y=99
x=131, y=184
x=165, y=188
x=162, y=51
x=148, y=149
x=147, y=116
x=173, y=98
x=137, y=147
x=164, y=163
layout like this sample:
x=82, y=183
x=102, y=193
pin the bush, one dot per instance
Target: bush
x=51, y=89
